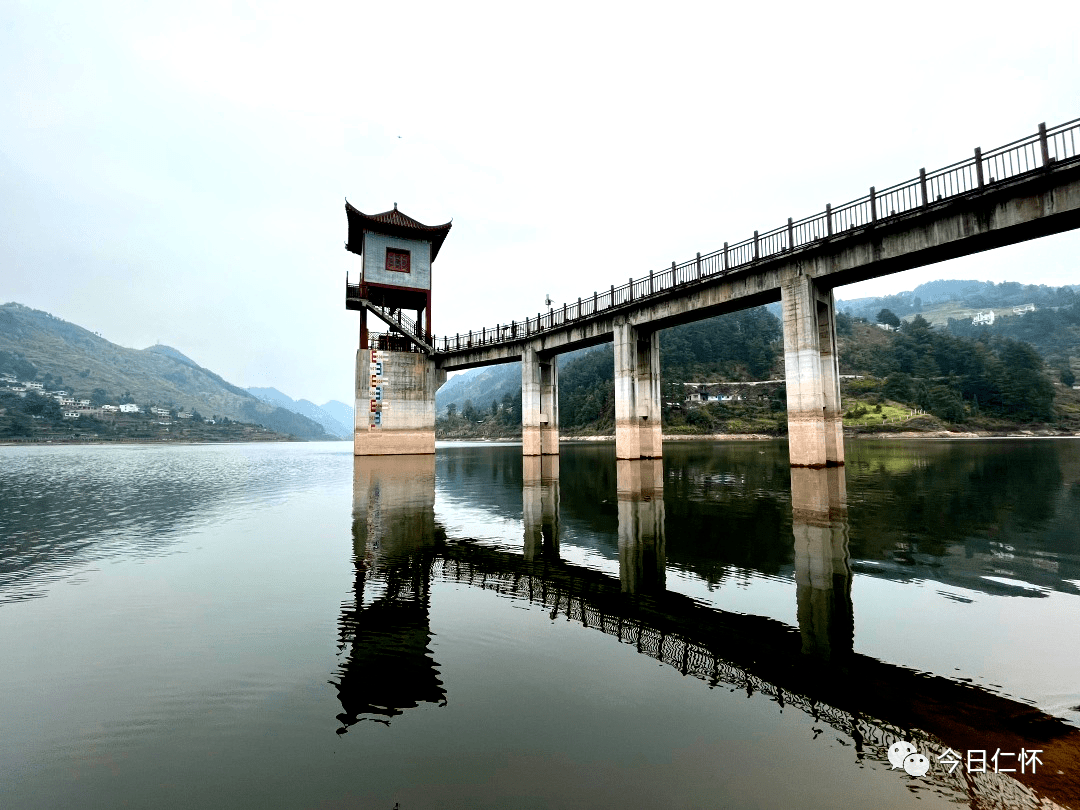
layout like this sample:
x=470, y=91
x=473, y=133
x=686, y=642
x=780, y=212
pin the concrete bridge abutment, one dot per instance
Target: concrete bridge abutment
x=637, y=392
x=812, y=370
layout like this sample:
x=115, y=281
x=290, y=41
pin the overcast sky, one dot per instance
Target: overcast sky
x=177, y=172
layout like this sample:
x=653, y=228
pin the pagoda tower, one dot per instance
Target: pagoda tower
x=396, y=377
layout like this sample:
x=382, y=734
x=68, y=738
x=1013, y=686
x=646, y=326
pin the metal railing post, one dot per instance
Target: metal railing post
x=922, y=187
x=978, y=167
x=699, y=264
x=828, y=219
x=674, y=280
x=873, y=204
x=578, y=308
x=726, y=265
x=594, y=300
x=650, y=283
x=630, y=297
x=757, y=253
x=612, y=295
x=790, y=235
x=1043, y=145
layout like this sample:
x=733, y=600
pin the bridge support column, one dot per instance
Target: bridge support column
x=642, y=542
x=815, y=423
x=539, y=404
x=637, y=393
x=822, y=561
x=540, y=506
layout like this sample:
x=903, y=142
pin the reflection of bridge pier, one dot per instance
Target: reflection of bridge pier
x=642, y=543
x=822, y=563
x=385, y=633
x=540, y=506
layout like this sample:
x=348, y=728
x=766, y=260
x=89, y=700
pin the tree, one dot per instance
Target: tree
x=887, y=316
x=946, y=404
x=898, y=387
x=451, y=410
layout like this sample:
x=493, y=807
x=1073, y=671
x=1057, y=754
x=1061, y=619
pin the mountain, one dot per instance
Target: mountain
x=39, y=347
x=340, y=411
x=306, y=408
x=480, y=386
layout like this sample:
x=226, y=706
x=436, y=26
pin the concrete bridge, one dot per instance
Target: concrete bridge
x=1020, y=191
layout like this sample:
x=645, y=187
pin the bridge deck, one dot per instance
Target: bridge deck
x=1021, y=191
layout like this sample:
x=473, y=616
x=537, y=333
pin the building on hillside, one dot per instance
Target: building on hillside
x=109, y=408
x=129, y=407
x=888, y=327
x=71, y=414
x=32, y=386
x=183, y=415
x=984, y=318
x=1020, y=310
x=159, y=411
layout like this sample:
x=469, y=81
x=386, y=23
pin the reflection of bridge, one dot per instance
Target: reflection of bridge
x=1026, y=189
x=814, y=668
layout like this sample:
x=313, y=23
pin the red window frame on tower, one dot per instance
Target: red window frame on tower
x=397, y=260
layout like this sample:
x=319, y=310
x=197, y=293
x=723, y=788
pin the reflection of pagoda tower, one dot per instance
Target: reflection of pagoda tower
x=396, y=377
x=386, y=634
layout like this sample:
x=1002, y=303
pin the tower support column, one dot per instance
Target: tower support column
x=395, y=403
x=539, y=404
x=637, y=393
x=812, y=370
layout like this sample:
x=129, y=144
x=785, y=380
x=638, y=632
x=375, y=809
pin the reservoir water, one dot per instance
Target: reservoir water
x=280, y=625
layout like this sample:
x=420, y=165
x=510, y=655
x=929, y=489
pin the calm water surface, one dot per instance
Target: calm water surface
x=285, y=626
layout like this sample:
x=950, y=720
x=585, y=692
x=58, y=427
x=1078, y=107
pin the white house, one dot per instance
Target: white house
x=129, y=407
x=71, y=414
x=1020, y=310
x=985, y=318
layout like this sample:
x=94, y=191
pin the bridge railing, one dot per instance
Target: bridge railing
x=1034, y=153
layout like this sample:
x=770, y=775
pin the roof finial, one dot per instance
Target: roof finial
x=395, y=206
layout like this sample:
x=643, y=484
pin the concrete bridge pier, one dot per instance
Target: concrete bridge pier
x=539, y=404
x=811, y=366
x=637, y=392
x=822, y=561
x=642, y=541
x=540, y=506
